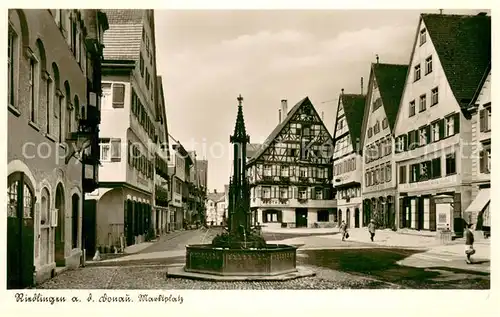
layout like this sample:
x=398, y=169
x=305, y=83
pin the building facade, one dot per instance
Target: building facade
x=382, y=103
x=347, y=160
x=216, y=206
x=128, y=137
x=433, y=128
x=179, y=172
x=162, y=160
x=290, y=174
x=478, y=212
x=53, y=103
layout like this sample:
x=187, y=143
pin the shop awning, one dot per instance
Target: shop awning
x=482, y=198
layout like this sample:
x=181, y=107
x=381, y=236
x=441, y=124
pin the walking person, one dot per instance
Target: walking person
x=343, y=229
x=469, y=243
x=371, y=229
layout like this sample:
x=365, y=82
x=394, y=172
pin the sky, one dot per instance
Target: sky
x=207, y=58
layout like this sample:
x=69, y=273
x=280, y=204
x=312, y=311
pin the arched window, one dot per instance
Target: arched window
x=69, y=107
x=77, y=108
x=57, y=102
x=21, y=197
x=33, y=85
x=13, y=60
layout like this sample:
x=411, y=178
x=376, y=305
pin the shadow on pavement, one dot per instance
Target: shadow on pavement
x=381, y=264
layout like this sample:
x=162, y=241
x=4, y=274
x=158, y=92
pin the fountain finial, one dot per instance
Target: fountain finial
x=240, y=100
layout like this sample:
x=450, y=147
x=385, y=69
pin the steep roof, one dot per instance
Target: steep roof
x=354, y=109
x=463, y=45
x=278, y=129
x=122, y=41
x=390, y=81
x=252, y=148
x=216, y=197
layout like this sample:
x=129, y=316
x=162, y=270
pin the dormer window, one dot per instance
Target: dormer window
x=423, y=36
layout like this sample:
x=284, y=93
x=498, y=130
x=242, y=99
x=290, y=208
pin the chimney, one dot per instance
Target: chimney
x=361, y=85
x=279, y=116
x=284, y=108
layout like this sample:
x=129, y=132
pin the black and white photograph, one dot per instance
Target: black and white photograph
x=310, y=149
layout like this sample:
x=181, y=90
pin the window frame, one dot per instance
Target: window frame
x=423, y=36
x=118, y=103
x=105, y=142
x=412, y=108
x=417, y=73
x=422, y=105
x=428, y=65
x=434, y=96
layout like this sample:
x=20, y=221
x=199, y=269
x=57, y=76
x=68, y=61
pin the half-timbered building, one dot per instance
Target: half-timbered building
x=347, y=167
x=290, y=173
x=379, y=187
x=433, y=129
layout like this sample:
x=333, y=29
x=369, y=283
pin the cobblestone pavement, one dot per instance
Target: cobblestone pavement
x=352, y=266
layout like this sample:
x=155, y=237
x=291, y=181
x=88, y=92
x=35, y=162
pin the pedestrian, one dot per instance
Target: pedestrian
x=469, y=243
x=371, y=229
x=343, y=229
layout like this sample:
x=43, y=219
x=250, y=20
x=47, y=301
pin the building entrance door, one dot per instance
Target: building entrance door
x=301, y=217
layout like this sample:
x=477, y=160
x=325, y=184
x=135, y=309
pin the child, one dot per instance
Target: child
x=371, y=229
x=469, y=243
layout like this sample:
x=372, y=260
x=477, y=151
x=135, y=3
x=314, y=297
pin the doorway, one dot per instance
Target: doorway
x=89, y=227
x=356, y=218
x=59, y=232
x=20, y=231
x=348, y=218
x=301, y=217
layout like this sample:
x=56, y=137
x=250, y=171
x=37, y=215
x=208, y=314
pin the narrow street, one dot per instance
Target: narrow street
x=338, y=265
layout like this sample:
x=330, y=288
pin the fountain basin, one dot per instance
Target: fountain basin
x=275, y=259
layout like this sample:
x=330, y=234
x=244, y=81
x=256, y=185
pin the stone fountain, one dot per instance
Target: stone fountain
x=240, y=253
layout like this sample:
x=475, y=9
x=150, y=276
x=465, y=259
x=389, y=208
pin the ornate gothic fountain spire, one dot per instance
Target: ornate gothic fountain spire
x=239, y=193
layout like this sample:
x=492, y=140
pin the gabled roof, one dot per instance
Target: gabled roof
x=463, y=46
x=354, y=109
x=216, y=197
x=390, y=81
x=122, y=41
x=280, y=127
x=481, y=84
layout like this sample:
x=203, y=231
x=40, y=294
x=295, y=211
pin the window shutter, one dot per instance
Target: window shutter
x=129, y=153
x=295, y=192
x=482, y=125
x=432, y=214
x=313, y=193
x=405, y=142
x=428, y=133
x=309, y=193
x=326, y=194
x=456, y=124
x=410, y=140
x=441, y=129
x=401, y=212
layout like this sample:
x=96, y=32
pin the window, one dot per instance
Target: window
x=283, y=192
x=388, y=172
x=451, y=167
x=32, y=89
x=115, y=150
x=303, y=172
x=425, y=171
x=118, y=95
x=284, y=171
x=302, y=193
x=48, y=106
x=450, y=126
x=376, y=128
x=370, y=132
x=319, y=194
x=105, y=145
x=423, y=37
x=377, y=103
x=400, y=144
x=485, y=120
x=148, y=78
x=435, y=132
x=423, y=103
x=423, y=136
x=417, y=73
x=74, y=37
x=428, y=65
x=12, y=59
x=414, y=173
x=385, y=123
x=485, y=160
x=412, y=108
x=402, y=174
x=381, y=171
x=323, y=215
x=434, y=96
x=141, y=65
x=436, y=168
x=267, y=170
